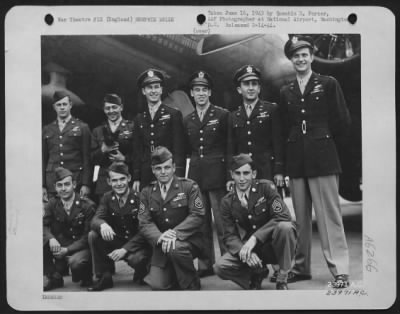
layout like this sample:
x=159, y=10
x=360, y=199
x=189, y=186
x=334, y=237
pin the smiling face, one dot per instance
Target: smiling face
x=301, y=60
x=201, y=95
x=119, y=182
x=243, y=177
x=164, y=172
x=249, y=90
x=152, y=92
x=65, y=188
x=112, y=111
x=63, y=107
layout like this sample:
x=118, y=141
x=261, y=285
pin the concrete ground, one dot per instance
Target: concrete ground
x=352, y=219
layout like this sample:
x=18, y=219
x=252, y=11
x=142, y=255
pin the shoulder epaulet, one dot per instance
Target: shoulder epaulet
x=221, y=108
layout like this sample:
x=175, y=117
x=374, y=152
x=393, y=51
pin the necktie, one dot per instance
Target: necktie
x=244, y=200
x=302, y=85
x=163, y=191
x=248, y=110
x=61, y=125
x=121, y=202
x=67, y=208
x=201, y=116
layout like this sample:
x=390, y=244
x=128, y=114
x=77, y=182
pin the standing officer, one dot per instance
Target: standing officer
x=66, y=223
x=255, y=127
x=115, y=230
x=206, y=143
x=66, y=143
x=257, y=229
x=157, y=125
x=315, y=115
x=111, y=141
x=171, y=217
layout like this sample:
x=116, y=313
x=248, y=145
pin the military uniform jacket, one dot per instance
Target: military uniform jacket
x=125, y=141
x=265, y=210
x=71, y=230
x=69, y=148
x=166, y=129
x=182, y=210
x=206, y=145
x=259, y=136
x=124, y=221
x=313, y=121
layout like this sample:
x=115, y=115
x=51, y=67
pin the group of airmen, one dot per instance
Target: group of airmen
x=152, y=217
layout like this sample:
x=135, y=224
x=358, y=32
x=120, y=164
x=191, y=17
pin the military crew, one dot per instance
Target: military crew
x=315, y=115
x=111, y=141
x=66, y=143
x=206, y=144
x=66, y=223
x=255, y=127
x=157, y=125
x=171, y=217
x=115, y=234
x=257, y=229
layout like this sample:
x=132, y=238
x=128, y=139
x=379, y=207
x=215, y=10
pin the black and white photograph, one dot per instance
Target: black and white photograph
x=209, y=158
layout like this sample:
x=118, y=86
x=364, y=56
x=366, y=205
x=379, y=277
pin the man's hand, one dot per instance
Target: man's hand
x=168, y=244
x=246, y=250
x=136, y=186
x=85, y=191
x=279, y=180
x=229, y=185
x=117, y=254
x=116, y=156
x=45, y=197
x=107, y=233
x=167, y=240
x=61, y=253
x=254, y=261
x=106, y=149
x=54, y=245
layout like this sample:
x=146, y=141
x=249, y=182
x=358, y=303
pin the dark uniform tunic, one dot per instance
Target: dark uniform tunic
x=124, y=137
x=124, y=222
x=166, y=129
x=69, y=148
x=268, y=219
x=183, y=211
x=259, y=136
x=71, y=231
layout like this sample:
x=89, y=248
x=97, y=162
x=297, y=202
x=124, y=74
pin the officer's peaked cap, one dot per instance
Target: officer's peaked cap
x=150, y=76
x=246, y=73
x=112, y=99
x=297, y=42
x=200, y=78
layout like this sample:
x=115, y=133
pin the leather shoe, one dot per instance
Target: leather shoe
x=274, y=276
x=104, y=282
x=51, y=283
x=341, y=281
x=281, y=286
x=138, y=278
x=205, y=272
x=257, y=277
x=86, y=282
x=293, y=277
x=195, y=285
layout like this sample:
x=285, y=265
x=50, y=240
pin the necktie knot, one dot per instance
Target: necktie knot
x=244, y=199
x=163, y=191
x=248, y=110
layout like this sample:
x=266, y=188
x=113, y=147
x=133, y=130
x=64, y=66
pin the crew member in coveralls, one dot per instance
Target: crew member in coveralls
x=254, y=128
x=157, y=125
x=257, y=229
x=66, y=143
x=206, y=131
x=66, y=223
x=115, y=231
x=111, y=141
x=171, y=217
x=315, y=116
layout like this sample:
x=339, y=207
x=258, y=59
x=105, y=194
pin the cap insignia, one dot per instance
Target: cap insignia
x=294, y=39
x=201, y=74
x=249, y=69
x=150, y=73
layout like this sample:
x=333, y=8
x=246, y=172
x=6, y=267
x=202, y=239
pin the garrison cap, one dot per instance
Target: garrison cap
x=246, y=73
x=240, y=160
x=61, y=173
x=160, y=155
x=119, y=167
x=60, y=94
x=296, y=42
x=200, y=78
x=112, y=99
x=150, y=76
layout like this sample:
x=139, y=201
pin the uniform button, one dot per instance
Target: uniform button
x=152, y=125
x=113, y=198
x=316, y=98
x=127, y=231
x=166, y=219
x=151, y=209
x=132, y=201
x=61, y=162
x=113, y=214
x=249, y=143
x=264, y=210
x=73, y=237
x=201, y=156
x=179, y=205
x=151, y=134
x=248, y=122
x=126, y=237
x=249, y=216
x=302, y=100
x=249, y=132
x=201, y=139
x=70, y=229
x=151, y=142
x=164, y=209
x=60, y=136
x=250, y=154
x=201, y=147
x=201, y=131
x=303, y=111
x=61, y=154
x=254, y=226
x=61, y=145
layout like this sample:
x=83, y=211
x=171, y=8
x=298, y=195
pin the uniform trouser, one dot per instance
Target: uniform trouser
x=79, y=262
x=137, y=257
x=211, y=199
x=179, y=268
x=279, y=250
x=323, y=193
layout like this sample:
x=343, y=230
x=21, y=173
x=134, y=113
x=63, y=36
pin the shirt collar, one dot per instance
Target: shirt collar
x=155, y=107
x=239, y=193
x=252, y=105
x=116, y=123
x=69, y=203
x=304, y=80
x=168, y=185
x=204, y=110
x=123, y=197
x=66, y=120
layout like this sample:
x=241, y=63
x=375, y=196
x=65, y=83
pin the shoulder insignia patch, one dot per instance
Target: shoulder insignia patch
x=198, y=203
x=272, y=186
x=141, y=208
x=276, y=206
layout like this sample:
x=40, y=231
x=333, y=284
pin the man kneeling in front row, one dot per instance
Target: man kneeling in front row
x=115, y=231
x=257, y=229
